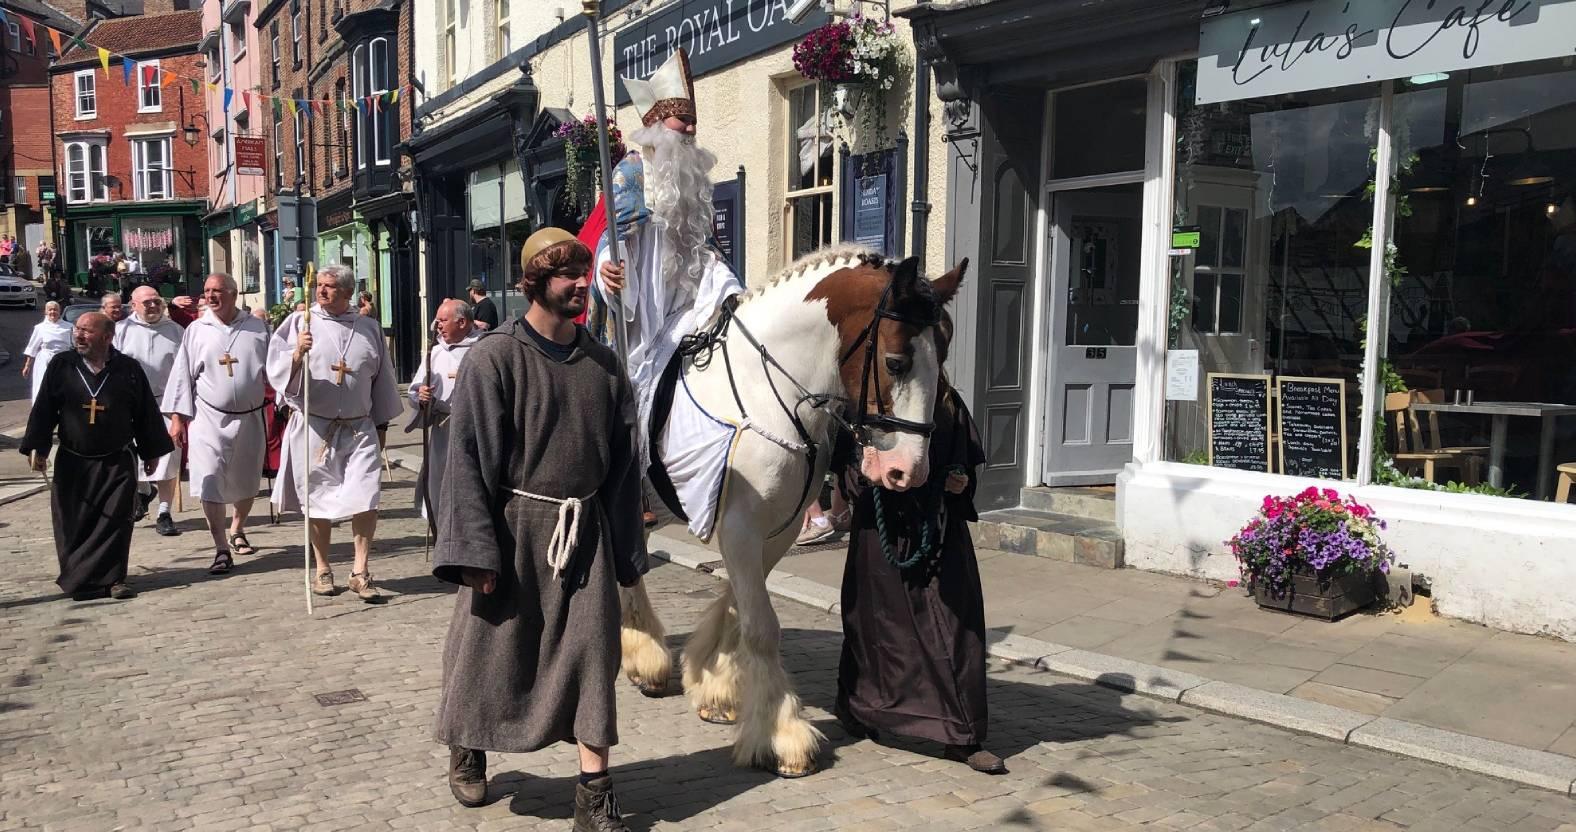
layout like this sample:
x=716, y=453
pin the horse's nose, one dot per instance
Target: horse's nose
x=897, y=479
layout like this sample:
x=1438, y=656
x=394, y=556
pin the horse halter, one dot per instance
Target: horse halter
x=863, y=422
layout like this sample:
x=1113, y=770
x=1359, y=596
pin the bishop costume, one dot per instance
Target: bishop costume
x=49, y=339
x=218, y=383
x=440, y=369
x=353, y=392
x=535, y=662
x=107, y=421
x=154, y=346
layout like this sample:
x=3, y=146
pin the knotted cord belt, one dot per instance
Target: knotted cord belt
x=561, y=548
x=335, y=424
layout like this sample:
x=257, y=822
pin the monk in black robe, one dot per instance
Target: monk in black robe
x=913, y=659
x=107, y=416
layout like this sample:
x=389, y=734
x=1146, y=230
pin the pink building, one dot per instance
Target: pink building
x=235, y=112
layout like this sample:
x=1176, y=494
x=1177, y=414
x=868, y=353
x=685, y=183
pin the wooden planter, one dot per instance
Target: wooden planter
x=1326, y=598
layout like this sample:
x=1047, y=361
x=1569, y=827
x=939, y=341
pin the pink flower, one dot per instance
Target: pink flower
x=1330, y=494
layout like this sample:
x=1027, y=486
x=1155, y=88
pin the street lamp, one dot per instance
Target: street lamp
x=190, y=132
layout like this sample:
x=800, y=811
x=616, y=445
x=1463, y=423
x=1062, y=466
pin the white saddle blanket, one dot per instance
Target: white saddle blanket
x=696, y=447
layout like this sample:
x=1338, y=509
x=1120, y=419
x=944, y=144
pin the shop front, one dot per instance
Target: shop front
x=1250, y=257
x=166, y=239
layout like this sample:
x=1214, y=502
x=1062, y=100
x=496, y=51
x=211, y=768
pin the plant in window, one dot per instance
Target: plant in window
x=583, y=157
x=1314, y=535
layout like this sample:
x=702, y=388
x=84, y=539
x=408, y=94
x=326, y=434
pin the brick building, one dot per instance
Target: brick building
x=337, y=170
x=128, y=177
x=237, y=117
x=26, y=172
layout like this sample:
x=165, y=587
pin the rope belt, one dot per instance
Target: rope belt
x=561, y=548
x=335, y=423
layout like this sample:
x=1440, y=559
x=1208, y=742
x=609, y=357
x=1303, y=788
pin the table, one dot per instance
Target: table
x=1500, y=413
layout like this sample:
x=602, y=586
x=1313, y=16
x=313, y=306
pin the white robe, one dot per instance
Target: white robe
x=345, y=461
x=226, y=441
x=659, y=314
x=154, y=346
x=446, y=360
x=47, y=341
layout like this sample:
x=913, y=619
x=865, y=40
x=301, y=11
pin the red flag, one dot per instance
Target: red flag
x=147, y=74
x=27, y=28
x=246, y=99
x=592, y=234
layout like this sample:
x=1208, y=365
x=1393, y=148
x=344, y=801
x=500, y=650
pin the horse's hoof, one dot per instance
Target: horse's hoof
x=651, y=691
x=788, y=772
x=716, y=716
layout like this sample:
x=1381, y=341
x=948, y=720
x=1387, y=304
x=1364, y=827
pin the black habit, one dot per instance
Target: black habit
x=913, y=659
x=106, y=421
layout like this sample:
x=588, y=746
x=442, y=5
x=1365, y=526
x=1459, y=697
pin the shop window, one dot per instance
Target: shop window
x=1279, y=193
x=810, y=187
x=1099, y=129
x=87, y=94
x=150, y=160
x=85, y=172
x=149, y=96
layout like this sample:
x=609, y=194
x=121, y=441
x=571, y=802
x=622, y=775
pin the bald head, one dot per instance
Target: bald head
x=147, y=304
x=92, y=335
x=454, y=321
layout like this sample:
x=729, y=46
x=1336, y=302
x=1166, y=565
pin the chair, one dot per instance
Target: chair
x=1417, y=448
x=1562, y=492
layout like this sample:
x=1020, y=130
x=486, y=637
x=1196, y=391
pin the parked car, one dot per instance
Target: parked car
x=76, y=310
x=16, y=290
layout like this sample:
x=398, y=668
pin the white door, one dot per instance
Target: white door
x=1095, y=267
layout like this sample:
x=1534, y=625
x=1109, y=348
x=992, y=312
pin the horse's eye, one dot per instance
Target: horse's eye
x=898, y=365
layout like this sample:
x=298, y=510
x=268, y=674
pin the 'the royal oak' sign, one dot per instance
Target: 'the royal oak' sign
x=715, y=33
x=1330, y=43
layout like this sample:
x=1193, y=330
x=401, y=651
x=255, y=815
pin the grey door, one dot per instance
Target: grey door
x=1095, y=270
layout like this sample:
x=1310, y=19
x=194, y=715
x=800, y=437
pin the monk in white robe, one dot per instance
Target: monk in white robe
x=354, y=395
x=429, y=394
x=149, y=336
x=215, y=398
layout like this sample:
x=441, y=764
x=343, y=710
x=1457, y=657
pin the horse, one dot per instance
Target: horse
x=841, y=336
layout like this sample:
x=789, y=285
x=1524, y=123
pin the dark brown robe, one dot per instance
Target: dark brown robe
x=535, y=662
x=913, y=659
x=95, y=478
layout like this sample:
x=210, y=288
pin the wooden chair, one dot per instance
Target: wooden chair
x=1562, y=492
x=1420, y=449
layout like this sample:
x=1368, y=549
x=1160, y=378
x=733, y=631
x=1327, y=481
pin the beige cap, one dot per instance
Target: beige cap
x=542, y=240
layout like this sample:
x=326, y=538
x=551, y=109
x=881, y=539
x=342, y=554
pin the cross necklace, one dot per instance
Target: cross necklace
x=93, y=407
x=342, y=368
x=228, y=361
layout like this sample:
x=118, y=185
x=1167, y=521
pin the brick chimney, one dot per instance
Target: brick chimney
x=152, y=7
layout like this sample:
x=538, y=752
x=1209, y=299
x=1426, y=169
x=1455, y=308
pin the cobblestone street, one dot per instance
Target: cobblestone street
x=193, y=707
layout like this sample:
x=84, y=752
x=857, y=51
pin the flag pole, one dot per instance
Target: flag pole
x=306, y=437
x=590, y=8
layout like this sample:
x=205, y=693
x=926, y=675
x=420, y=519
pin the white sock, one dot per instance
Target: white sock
x=164, y=507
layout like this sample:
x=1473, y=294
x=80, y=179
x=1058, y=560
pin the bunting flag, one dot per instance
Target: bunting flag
x=196, y=86
x=148, y=73
x=291, y=106
x=3, y=19
x=394, y=96
x=27, y=29
x=303, y=104
x=246, y=99
x=276, y=107
x=165, y=78
x=54, y=37
x=126, y=65
x=104, y=60
x=229, y=95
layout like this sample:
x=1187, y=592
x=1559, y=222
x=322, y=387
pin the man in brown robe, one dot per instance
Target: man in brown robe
x=100, y=401
x=539, y=523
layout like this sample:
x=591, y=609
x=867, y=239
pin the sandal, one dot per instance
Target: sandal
x=222, y=564
x=240, y=545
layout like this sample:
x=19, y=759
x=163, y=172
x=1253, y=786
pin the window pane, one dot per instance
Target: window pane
x=1104, y=238
x=1289, y=173
x=810, y=144
x=1099, y=129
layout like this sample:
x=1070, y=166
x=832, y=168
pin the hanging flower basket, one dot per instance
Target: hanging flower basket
x=583, y=159
x=1314, y=554
x=859, y=61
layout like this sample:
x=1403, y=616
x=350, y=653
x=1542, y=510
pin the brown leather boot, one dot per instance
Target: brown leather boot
x=596, y=809
x=468, y=776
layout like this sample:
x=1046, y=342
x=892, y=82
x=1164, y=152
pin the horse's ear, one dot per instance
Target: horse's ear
x=947, y=285
x=906, y=276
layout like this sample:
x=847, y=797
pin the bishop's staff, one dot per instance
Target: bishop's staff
x=614, y=250
x=306, y=435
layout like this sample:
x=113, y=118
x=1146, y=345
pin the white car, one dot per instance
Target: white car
x=16, y=290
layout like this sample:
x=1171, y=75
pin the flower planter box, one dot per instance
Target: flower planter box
x=1326, y=598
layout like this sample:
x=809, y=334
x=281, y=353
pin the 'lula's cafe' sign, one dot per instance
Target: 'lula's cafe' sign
x=715, y=33
x=1319, y=44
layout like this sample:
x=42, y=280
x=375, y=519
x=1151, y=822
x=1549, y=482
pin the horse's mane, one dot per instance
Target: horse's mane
x=842, y=254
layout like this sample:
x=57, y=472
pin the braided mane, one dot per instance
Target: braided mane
x=842, y=254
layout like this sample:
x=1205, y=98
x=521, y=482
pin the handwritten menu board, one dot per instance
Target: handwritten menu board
x=1312, y=427
x=1239, y=421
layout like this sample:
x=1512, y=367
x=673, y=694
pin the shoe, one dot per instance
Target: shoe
x=222, y=563
x=323, y=584
x=361, y=584
x=468, y=776
x=91, y=594
x=141, y=510
x=596, y=809
x=121, y=591
x=976, y=758
x=817, y=533
x=166, y=526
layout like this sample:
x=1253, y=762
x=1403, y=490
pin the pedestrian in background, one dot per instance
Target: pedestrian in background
x=482, y=307
x=51, y=337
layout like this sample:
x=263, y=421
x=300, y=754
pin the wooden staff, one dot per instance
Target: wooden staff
x=614, y=251
x=306, y=435
x=426, y=455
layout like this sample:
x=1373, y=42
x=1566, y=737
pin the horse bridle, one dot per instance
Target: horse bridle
x=864, y=421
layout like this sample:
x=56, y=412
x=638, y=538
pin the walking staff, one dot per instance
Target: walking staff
x=306, y=439
x=426, y=453
x=590, y=8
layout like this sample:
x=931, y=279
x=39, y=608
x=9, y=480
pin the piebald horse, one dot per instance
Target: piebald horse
x=839, y=337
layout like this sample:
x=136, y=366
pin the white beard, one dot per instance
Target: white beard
x=678, y=186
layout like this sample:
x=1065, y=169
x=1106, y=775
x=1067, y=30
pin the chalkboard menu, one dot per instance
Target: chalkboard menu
x=1312, y=427
x=1239, y=422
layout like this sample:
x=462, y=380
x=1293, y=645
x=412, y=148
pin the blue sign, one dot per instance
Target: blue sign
x=870, y=216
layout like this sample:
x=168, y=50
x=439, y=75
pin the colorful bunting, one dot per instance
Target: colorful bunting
x=229, y=95
x=291, y=106
x=27, y=29
x=196, y=86
x=104, y=60
x=54, y=37
x=246, y=99
x=126, y=65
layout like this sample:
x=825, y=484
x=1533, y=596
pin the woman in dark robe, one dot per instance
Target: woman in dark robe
x=913, y=659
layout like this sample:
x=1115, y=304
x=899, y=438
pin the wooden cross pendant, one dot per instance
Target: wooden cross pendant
x=93, y=408
x=229, y=362
x=341, y=369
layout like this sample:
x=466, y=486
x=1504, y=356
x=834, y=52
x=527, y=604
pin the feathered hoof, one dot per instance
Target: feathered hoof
x=717, y=716
x=789, y=771
x=650, y=691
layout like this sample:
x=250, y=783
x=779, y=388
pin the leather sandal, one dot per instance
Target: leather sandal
x=240, y=545
x=222, y=563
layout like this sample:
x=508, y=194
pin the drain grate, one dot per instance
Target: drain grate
x=339, y=697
